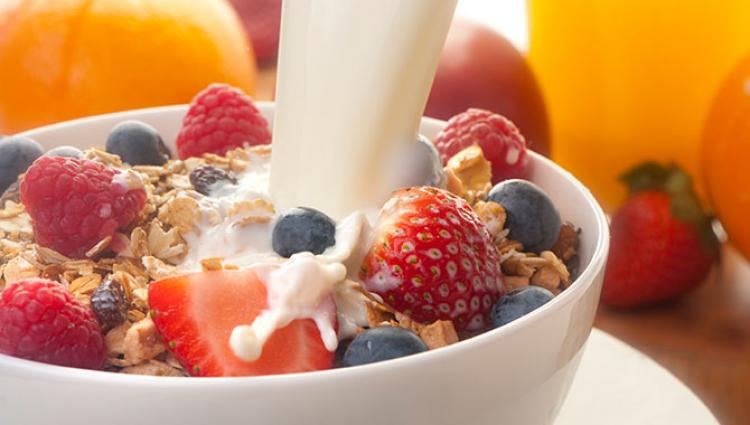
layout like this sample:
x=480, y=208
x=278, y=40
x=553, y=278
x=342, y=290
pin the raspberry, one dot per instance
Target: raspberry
x=75, y=203
x=503, y=145
x=41, y=321
x=221, y=118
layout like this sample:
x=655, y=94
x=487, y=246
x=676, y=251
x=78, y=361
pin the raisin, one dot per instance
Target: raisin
x=110, y=304
x=206, y=177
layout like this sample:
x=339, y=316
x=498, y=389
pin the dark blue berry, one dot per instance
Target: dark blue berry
x=430, y=164
x=418, y=165
x=532, y=218
x=16, y=154
x=382, y=343
x=519, y=302
x=65, y=152
x=137, y=143
x=303, y=230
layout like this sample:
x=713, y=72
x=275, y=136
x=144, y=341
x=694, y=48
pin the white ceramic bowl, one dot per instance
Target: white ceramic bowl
x=518, y=374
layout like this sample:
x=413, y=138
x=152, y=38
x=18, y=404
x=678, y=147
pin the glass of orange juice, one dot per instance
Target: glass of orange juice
x=627, y=81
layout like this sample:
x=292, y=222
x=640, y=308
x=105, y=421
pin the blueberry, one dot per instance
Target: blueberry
x=430, y=165
x=65, y=152
x=137, y=143
x=519, y=302
x=382, y=343
x=303, y=229
x=532, y=218
x=16, y=154
x=207, y=178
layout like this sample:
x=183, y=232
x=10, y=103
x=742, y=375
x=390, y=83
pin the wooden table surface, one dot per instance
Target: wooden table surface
x=703, y=338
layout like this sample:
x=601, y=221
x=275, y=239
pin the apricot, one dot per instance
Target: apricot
x=62, y=59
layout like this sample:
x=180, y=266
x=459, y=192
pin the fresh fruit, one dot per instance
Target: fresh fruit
x=382, y=343
x=418, y=164
x=137, y=143
x=262, y=19
x=503, y=145
x=532, y=218
x=725, y=152
x=41, y=321
x=432, y=258
x=206, y=178
x=65, y=152
x=75, y=203
x=662, y=244
x=70, y=58
x=303, y=230
x=479, y=68
x=110, y=304
x=221, y=118
x=519, y=302
x=195, y=315
x=16, y=154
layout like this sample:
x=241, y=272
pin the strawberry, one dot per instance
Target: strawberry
x=662, y=243
x=432, y=259
x=195, y=314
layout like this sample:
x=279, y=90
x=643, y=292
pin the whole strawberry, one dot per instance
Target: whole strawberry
x=76, y=203
x=432, y=259
x=501, y=142
x=662, y=243
x=41, y=321
x=221, y=118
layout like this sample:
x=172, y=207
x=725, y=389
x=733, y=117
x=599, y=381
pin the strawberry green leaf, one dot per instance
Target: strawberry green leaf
x=673, y=180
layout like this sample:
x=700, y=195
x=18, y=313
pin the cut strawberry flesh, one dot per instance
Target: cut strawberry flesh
x=196, y=314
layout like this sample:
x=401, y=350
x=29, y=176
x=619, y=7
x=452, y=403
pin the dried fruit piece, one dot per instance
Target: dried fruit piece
x=207, y=178
x=110, y=304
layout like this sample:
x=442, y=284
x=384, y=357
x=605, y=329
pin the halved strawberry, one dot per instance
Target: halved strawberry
x=196, y=314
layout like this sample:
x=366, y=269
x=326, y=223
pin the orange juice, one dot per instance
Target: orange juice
x=627, y=81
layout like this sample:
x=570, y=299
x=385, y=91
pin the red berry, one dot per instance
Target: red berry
x=432, y=259
x=653, y=255
x=503, y=145
x=221, y=118
x=75, y=203
x=196, y=314
x=41, y=321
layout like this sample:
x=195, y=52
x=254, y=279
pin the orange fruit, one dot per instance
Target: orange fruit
x=726, y=155
x=61, y=59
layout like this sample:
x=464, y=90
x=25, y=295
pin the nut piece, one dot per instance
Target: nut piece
x=439, y=334
x=181, y=212
x=472, y=168
x=142, y=342
x=566, y=246
x=378, y=315
x=493, y=216
x=211, y=264
x=152, y=368
x=115, y=340
x=18, y=269
x=514, y=282
x=548, y=278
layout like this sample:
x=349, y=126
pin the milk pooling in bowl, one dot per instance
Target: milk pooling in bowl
x=353, y=81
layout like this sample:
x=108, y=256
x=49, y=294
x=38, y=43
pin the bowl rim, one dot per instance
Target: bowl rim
x=585, y=279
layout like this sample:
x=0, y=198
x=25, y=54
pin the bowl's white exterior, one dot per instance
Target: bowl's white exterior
x=518, y=374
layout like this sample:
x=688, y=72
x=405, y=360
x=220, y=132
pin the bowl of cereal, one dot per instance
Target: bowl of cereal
x=211, y=304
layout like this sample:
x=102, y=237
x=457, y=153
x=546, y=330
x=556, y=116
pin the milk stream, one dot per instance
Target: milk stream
x=353, y=80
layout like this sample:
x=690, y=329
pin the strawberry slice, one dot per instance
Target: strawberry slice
x=195, y=314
